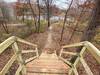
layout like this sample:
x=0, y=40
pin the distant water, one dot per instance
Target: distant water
x=53, y=18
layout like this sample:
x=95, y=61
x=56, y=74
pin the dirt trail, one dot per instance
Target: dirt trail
x=49, y=38
x=45, y=63
x=50, y=43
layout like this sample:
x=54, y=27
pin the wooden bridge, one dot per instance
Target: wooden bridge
x=47, y=64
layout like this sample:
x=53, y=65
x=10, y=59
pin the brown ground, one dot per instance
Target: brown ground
x=47, y=64
x=94, y=66
x=40, y=40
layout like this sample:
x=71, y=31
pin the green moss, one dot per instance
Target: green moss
x=43, y=24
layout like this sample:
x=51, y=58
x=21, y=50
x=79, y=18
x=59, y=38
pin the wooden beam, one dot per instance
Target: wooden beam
x=61, y=52
x=80, y=54
x=19, y=59
x=7, y=43
x=70, y=53
x=86, y=67
x=93, y=50
x=82, y=51
x=8, y=65
x=19, y=70
x=70, y=72
x=30, y=59
x=37, y=53
x=25, y=42
x=28, y=51
x=67, y=62
x=74, y=45
x=75, y=71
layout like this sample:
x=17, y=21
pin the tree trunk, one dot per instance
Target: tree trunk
x=38, y=3
x=34, y=16
x=94, y=23
x=63, y=28
x=77, y=24
x=48, y=12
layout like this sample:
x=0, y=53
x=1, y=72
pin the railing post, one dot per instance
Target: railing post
x=93, y=50
x=86, y=67
x=19, y=58
x=75, y=71
x=61, y=52
x=37, y=54
x=70, y=72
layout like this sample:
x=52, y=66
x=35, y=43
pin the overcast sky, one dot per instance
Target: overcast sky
x=10, y=0
x=60, y=3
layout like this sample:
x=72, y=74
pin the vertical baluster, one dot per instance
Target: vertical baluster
x=37, y=53
x=70, y=72
x=86, y=67
x=61, y=52
x=19, y=58
x=75, y=71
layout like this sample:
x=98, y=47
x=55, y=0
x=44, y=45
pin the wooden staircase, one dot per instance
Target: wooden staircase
x=47, y=64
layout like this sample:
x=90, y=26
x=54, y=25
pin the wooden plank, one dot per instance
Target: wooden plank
x=74, y=45
x=93, y=50
x=19, y=59
x=67, y=62
x=78, y=58
x=28, y=51
x=86, y=67
x=8, y=65
x=70, y=53
x=37, y=53
x=25, y=42
x=7, y=43
x=70, y=72
x=76, y=61
x=18, y=70
x=82, y=51
x=48, y=64
x=61, y=52
x=75, y=71
x=30, y=59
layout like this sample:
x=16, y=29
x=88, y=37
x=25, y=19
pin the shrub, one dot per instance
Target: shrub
x=43, y=24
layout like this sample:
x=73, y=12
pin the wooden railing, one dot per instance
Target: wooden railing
x=12, y=42
x=79, y=57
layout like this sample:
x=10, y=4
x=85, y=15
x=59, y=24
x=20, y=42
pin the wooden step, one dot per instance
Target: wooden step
x=43, y=74
x=48, y=64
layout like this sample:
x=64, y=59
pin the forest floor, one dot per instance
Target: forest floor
x=51, y=40
x=55, y=44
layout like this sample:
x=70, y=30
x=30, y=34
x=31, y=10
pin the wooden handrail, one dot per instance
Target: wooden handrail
x=74, y=45
x=12, y=41
x=8, y=65
x=85, y=46
x=7, y=43
x=93, y=50
x=25, y=42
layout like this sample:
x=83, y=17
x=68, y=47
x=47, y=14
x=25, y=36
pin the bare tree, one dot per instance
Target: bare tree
x=94, y=23
x=77, y=23
x=48, y=4
x=34, y=15
x=66, y=14
x=38, y=4
x=48, y=12
x=5, y=17
x=79, y=19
